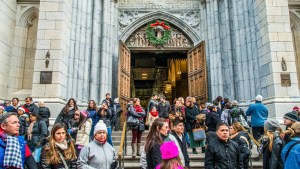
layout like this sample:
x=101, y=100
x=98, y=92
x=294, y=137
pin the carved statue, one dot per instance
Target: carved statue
x=283, y=65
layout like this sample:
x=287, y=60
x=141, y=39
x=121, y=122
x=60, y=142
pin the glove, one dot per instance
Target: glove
x=79, y=147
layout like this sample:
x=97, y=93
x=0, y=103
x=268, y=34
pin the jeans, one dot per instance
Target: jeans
x=109, y=138
x=257, y=132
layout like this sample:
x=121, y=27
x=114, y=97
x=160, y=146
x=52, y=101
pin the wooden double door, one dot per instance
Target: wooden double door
x=197, y=76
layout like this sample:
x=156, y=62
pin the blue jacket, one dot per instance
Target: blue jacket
x=259, y=114
x=22, y=143
x=293, y=159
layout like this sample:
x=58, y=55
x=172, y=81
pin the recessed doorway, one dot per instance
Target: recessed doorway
x=161, y=73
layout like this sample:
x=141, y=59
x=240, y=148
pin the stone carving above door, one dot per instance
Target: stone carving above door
x=178, y=39
x=127, y=17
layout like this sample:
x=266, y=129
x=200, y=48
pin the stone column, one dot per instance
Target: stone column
x=274, y=44
x=53, y=35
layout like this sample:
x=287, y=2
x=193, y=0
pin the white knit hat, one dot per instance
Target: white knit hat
x=259, y=98
x=100, y=126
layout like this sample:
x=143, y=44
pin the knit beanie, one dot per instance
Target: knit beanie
x=84, y=113
x=291, y=116
x=272, y=125
x=259, y=98
x=100, y=126
x=168, y=150
x=296, y=108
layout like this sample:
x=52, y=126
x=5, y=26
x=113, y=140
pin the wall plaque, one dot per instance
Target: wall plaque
x=46, y=77
x=285, y=79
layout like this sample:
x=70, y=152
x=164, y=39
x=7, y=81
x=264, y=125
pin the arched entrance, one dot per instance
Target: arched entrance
x=175, y=69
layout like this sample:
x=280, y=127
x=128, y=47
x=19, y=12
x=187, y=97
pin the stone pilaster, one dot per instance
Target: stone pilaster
x=53, y=35
x=275, y=43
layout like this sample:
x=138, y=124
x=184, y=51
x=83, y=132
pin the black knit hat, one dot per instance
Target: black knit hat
x=291, y=116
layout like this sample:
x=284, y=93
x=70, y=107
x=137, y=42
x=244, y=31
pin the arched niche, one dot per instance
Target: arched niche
x=295, y=27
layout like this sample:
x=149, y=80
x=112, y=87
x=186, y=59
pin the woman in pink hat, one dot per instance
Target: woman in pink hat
x=170, y=156
x=84, y=129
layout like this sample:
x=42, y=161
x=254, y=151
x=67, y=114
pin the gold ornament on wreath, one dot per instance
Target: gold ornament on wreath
x=158, y=32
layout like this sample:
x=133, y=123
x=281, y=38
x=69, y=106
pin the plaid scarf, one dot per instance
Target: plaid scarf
x=12, y=155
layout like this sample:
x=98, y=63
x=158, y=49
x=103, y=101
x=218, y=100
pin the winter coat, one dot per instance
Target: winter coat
x=83, y=134
x=164, y=109
x=211, y=121
x=151, y=119
x=32, y=108
x=96, y=155
x=225, y=116
x=107, y=117
x=118, y=109
x=3, y=147
x=139, y=115
x=234, y=115
x=73, y=128
x=39, y=132
x=258, y=113
x=152, y=103
x=95, y=118
x=44, y=113
x=222, y=155
x=64, y=117
x=153, y=157
x=242, y=139
x=23, y=124
x=183, y=146
x=71, y=163
x=293, y=158
x=190, y=116
x=272, y=160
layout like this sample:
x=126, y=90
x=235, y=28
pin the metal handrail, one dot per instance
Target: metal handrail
x=122, y=149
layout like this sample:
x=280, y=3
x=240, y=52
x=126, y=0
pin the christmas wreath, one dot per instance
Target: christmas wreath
x=162, y=28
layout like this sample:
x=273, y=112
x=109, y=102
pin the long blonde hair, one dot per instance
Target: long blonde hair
x=294, y=130
x=270, y=136
x=52, y=156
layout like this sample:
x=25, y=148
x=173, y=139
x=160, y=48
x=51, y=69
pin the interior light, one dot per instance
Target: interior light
x=144, y=74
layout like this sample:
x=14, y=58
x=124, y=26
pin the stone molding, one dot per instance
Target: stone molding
x=27, y=16
x=166, y=16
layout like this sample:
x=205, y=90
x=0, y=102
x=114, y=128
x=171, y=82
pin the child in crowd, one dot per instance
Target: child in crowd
x=23, y=120
x=2, y=110
x=153, y=114
x=170, y=158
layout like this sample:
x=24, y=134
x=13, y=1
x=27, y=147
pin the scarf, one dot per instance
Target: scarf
x=102, y=142
x=138, y=108
x=29, y=131
x=154, y=114
x=12, y=155
x=63, y=145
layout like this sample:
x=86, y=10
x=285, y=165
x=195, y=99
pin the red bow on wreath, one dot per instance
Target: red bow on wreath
x=162, y=24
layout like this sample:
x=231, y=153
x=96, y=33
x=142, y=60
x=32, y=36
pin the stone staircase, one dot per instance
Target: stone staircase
x=197, y=160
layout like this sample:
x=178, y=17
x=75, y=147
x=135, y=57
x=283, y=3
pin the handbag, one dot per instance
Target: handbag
x=132, y=121
x=141, y=127
x=199, y=134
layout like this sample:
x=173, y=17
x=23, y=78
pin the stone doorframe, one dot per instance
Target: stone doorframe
x=184, y=27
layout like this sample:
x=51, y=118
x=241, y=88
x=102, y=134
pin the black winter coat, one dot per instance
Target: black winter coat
x=39, y=132
x=32, y=108
x=153, y=157
x=243, y=141
x=71, y=163
x=44, y=113
x=190, y=117
x=164, y=109
x=64, y=117
x=222, y=155
x=107, y=117
x=211, y=121
x=23, y=125
x=272, y=160
x=234, y=115
x=183, y=146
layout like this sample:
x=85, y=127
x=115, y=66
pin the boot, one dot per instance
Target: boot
x=138, y=149
x=203, y=149
x=133, y=146
x=194, y=151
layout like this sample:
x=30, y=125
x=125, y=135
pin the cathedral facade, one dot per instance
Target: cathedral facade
x=54, y=50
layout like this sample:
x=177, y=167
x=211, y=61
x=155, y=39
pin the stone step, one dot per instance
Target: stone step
x=194, y=165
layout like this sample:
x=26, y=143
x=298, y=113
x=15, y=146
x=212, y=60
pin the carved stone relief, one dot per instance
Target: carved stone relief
x=192, y=18
x=138, y=39
x=127, y=17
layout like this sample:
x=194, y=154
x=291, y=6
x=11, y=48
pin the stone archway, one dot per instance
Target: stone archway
x=159, y=15
x=295, y=27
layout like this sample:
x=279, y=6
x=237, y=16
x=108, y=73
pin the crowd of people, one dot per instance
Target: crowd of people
x=83, y=138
